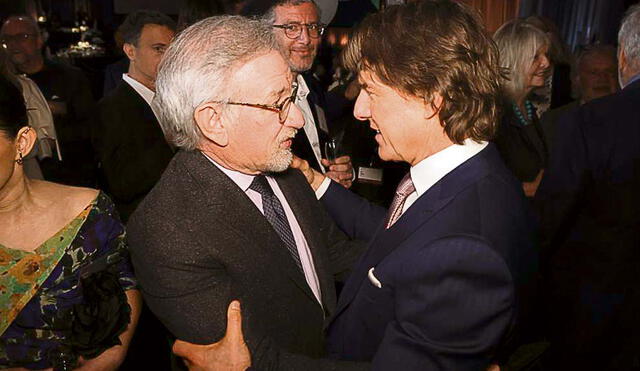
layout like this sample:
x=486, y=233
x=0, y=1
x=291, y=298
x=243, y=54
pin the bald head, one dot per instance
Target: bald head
x=21, y=38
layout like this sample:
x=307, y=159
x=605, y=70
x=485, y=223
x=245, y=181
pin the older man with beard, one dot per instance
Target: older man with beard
x=228, y=219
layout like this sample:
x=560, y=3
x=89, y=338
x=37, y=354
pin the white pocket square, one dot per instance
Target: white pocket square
x=373, y=279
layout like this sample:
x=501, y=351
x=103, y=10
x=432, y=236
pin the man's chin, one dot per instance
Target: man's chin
x=301, y=66
x=279, y=162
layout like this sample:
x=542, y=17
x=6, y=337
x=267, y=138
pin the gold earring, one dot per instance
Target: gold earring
x=20, y=160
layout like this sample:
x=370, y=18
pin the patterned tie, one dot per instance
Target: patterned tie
x=274, y=213
x=405, y=188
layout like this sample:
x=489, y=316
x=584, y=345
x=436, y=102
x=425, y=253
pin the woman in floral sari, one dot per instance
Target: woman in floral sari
x=68, y=298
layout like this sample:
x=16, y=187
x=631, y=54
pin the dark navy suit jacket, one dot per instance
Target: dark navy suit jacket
x=452, y=270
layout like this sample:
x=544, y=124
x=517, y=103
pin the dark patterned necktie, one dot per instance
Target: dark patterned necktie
x=405, y=188
x=274, y=213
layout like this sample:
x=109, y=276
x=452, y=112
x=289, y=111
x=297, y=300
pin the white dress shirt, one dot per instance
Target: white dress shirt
x=310, y=128
x=244, y=181
x=429, y=171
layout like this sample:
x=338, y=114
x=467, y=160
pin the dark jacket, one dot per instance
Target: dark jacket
x=456, y=273
x=197, y=242
x=131, y=147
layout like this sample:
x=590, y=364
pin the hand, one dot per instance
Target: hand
x=313, y=177
x=530, y=188
x=340, y=170
x=109, y=360
x=228, y=354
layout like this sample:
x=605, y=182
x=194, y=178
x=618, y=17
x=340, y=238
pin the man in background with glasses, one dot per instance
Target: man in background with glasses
x=298, y=26
x=228, y=219
x=68, y=94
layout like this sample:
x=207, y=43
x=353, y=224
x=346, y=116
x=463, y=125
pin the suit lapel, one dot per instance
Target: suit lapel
x=386, y=241
x=231, y=206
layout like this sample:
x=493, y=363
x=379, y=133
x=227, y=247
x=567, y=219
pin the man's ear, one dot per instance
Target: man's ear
x=25, y=140
x=209, y=119
x=130, y=51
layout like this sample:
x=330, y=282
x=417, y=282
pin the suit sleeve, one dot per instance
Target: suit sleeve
x=356, y=217
x=454, y=303
x=190, y=295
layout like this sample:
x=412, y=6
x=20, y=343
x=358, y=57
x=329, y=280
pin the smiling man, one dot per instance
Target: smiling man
x=228, y=219
x=298, y=26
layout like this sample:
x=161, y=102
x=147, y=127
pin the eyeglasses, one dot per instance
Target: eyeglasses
x=6, y=39
x=282, y=109
x=293, y=30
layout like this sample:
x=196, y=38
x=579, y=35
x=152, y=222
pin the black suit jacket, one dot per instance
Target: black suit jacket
x=589, y=205
x=455, y=274
x=131, y=147
x=197, y=242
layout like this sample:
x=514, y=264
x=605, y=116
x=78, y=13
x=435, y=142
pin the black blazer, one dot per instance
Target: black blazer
x=589, y=205
x=455, y=274
x=131, y=147
x=523, y=148
x=197, y=242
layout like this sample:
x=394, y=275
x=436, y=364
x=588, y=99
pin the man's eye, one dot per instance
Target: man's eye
x=292, y=27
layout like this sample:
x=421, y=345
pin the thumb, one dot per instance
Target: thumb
x=234, y=323
x=325, y=162
x=183, y=349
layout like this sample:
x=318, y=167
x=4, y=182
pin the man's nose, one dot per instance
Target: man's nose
x=295, y=119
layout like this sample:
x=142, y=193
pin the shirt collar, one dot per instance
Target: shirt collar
x=303, y=89
x=146, y=93
x=240, y=179
x=429, y=171
x=632, y=80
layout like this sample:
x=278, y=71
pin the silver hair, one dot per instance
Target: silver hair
x=518, y=42
x=270, y=15
x=196, y=68
x=629, y=34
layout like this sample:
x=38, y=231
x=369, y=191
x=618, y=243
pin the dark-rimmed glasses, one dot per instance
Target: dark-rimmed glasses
x=293, y=30
x=281, y=109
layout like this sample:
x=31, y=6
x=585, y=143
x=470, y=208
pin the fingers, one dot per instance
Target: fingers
x=234, y=323
x=298, y=163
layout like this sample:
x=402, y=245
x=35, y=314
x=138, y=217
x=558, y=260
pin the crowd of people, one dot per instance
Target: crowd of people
x=510, y=243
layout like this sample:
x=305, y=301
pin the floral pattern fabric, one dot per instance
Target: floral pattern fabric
x=42, y=325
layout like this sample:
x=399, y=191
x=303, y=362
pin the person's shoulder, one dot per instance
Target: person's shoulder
x=68, y=199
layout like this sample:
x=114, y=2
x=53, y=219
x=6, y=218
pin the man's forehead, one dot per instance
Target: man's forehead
x=264, y=76
x=297, y=13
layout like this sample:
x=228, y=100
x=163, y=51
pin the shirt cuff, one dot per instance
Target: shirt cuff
x=323, y=187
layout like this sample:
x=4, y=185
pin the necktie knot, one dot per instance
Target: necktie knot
x=405, y=188
x=261, y=185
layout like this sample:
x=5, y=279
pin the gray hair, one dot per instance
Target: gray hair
x=629, y=34
x=518, y=42
x=196, y=67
